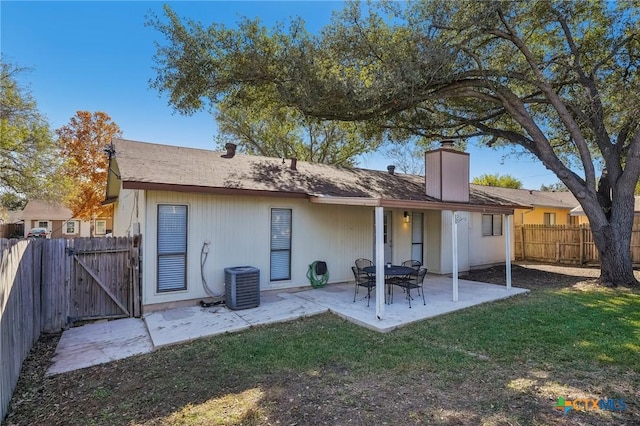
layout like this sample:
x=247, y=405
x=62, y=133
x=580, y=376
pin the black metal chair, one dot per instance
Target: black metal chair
x=415, y=264
x=414, y=281
x=363, y=279
x=363, y=263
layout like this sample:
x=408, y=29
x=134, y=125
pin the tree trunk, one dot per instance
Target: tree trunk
x=614, y=247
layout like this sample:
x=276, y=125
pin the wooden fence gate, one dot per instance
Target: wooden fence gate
x=103, y=278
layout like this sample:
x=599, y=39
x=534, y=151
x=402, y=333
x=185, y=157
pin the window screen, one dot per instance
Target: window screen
x=172, y=247
x=280, y=244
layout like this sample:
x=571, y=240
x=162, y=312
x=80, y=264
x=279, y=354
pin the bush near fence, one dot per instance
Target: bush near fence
x=566, y=244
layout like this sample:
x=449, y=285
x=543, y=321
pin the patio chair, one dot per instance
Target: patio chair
x=414, y=281
x=415, y=264
x=363, y=280
x=363, y=263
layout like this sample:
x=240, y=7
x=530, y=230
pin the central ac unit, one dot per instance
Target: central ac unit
x=242, y=287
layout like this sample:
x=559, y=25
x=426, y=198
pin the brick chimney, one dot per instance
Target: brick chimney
x=447, y=173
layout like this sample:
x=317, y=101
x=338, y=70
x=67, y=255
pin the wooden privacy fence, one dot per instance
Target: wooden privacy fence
x=563, y=244
x=47, y=284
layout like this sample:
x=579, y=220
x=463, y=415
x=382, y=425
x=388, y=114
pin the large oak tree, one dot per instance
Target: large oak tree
x=558, y=80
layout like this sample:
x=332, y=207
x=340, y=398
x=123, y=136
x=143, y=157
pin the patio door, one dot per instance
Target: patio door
x=386, y=237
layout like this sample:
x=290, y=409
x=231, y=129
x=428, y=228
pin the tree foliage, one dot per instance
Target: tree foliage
x=556, y=79
x=82, y=143
x=554, y=187
x=503, y=181
x=28, y=158
x=261, y=126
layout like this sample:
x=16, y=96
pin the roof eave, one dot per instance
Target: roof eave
x=156, y=186
x=412, y=204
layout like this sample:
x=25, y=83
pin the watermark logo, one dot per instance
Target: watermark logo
x=590, y=404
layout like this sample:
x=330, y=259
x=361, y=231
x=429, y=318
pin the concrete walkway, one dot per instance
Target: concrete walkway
x=102, y=342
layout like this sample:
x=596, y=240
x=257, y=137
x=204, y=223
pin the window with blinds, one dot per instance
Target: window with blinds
x=172, y=247
x=280, y=264
x=491, y=224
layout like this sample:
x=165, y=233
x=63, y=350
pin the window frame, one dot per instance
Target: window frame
x=104, y=229
x=546, y=218
x=496, y=230
x=278, y=250
x=66, y=227
x=183, y=253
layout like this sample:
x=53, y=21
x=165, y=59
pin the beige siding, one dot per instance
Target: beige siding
x=486, y=250
x=238, y=229
x=433, y=231
x=127, y=212
x=446, y=256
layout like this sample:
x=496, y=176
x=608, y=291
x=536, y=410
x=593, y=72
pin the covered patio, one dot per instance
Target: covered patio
x=102, y=342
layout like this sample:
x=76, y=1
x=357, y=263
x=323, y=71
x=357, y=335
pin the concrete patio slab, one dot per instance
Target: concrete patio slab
x=102, y=342
x=183, y=324
x=280, y=307
x=180, y=325
x=98, y=343
x=439, y=300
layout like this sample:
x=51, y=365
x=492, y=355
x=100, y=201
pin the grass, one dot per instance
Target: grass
x=500, y=363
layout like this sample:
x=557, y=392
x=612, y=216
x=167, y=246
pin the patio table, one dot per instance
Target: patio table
x=391, y=274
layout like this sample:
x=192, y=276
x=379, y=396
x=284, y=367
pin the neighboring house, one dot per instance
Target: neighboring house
x=11, y=225
x=201, y=211
x=579, y=213
x=58, y=220
x=544, y=207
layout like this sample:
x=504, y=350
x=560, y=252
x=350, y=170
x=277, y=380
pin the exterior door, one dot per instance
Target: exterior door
x=387, y=238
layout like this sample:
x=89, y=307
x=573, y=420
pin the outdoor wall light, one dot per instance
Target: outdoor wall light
x=407, y=217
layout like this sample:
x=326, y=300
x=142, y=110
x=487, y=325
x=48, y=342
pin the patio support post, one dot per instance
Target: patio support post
x=379, y=221
x=454, y=253
x=507, y=247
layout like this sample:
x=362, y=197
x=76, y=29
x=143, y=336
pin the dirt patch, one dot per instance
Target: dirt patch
x=537, y=275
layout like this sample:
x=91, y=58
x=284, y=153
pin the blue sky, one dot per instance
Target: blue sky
x=98, y=56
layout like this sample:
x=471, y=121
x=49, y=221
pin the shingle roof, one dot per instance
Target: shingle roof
x=532, y=198
x=154, y=166
x=578, y=211
x=40, y=209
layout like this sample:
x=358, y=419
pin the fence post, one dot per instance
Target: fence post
x=557, y=251
x=581, y=246
x=524, y=256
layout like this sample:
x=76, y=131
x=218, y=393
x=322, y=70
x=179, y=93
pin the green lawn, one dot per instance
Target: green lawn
x=501, y=363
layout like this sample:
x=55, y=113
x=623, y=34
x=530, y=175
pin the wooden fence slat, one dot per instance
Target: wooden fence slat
x=41, y=286
x=564, y=244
